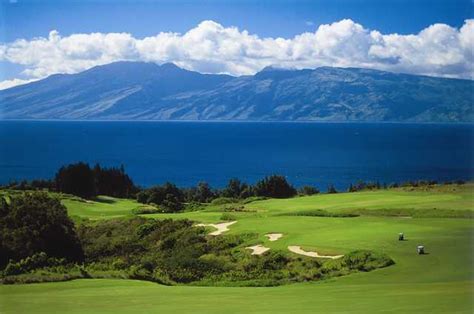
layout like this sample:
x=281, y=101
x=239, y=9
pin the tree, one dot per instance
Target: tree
x=77, y=179
x=33, y=223
x=113, y=182
x=234, y=188
x=331, y=189
x=308, y=190
x=351, y=188
x=204, y=193
x=274, y=186
x=171, y=204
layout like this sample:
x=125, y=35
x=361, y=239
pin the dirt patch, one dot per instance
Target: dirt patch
x=299, y=250
x=274, y=236
x=221, y=228
x=258, y=249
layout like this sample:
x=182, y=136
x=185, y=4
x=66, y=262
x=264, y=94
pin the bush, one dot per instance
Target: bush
x=364, y=260
x=33, y=223
x=228, y=217
x=39, y=260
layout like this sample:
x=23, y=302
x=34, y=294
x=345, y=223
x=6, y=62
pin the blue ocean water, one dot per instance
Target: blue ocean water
x=188, y=152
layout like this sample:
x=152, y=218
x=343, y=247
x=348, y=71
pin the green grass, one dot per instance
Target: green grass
x=441, y=281
x=340, y=296
x=101, y=207
x=450, y=197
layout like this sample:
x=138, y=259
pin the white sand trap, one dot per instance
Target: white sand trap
x=274, y=236
x=221, y=228
x=299, y=250
x=258, y=249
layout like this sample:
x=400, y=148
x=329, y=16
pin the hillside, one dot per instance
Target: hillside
x=437, y=282
x=147, y=91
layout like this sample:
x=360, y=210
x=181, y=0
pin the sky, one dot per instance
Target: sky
x=40, y=38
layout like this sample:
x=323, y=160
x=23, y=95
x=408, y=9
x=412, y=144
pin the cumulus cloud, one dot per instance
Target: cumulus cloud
x=438, y=50
x=14, y=82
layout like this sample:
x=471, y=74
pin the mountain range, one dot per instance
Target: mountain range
x=148, y=91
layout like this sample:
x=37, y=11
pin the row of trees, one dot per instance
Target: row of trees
x=81, y=180
x=171, y=198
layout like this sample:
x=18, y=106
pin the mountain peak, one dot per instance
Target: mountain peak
x=273, y=68
x=169, y=65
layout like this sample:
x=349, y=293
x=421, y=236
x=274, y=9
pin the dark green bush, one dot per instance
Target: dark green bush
x=34, y=222
x=364, y=260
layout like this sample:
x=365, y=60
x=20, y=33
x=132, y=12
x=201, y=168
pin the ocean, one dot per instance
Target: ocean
x=185, y=153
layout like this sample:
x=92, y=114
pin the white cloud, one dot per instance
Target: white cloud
x=438, y=50
x=14, y=82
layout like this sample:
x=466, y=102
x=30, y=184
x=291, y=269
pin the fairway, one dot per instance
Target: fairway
x=440, y=281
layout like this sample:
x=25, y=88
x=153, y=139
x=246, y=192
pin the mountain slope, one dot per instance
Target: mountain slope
x=120, y=89
x=135, y=90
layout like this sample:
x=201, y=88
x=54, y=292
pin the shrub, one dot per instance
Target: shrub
x=224, y=200
x=228, y=217
x=364, y=260
x=33, y=223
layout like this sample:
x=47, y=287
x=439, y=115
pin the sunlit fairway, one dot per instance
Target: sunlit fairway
x=441, y=281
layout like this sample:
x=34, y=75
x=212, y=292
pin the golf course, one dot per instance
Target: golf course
x=439, y=217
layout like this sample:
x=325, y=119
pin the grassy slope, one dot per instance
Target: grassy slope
x=441, y=281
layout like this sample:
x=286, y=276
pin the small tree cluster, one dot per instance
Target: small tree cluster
x=81, y=180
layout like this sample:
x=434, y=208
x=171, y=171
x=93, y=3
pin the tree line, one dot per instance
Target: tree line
x=81, y=180
x=87, y=182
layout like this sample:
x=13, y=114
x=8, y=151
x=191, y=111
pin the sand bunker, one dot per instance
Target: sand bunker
x=221, y=228
x=299, y=250
x=274, y=236
x=258, y=249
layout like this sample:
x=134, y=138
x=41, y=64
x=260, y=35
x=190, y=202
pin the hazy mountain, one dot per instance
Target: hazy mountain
x=137, y=90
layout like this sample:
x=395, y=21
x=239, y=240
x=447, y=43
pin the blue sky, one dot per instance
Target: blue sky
x=27, y=19
x=21, y=19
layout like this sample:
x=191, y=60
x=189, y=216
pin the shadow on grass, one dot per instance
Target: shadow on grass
x=105, y=200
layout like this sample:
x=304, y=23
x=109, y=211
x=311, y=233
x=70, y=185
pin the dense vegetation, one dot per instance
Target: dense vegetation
x=88, y=182
x=35, y=223
x=437, y=282
x=40, y=243
x=170, y=198
x=81, y=180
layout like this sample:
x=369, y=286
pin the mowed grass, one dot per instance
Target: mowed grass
x=444, y=197
x=441, y=281
x=101, y=207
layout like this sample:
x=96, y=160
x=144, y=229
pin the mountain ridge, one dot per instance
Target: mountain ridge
x=148, y=91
